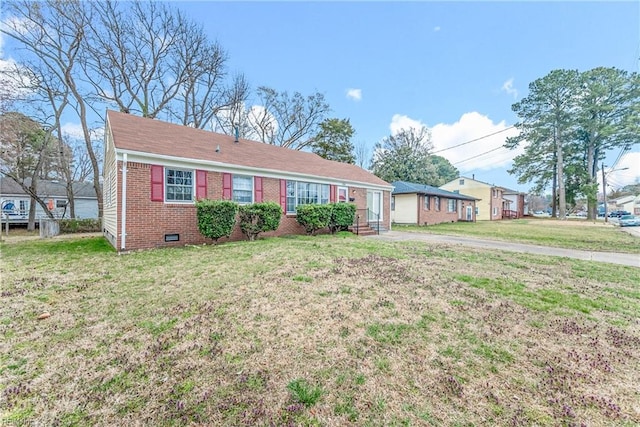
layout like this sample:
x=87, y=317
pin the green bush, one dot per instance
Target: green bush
x=313, y=217
x=80, y=225
x=342, y=215
x=259, y=217
x=216, y=218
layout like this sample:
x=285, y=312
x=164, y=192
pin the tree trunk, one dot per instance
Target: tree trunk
x=562, y=200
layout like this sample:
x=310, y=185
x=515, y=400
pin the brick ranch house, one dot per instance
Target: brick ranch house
x=154, y=171
x=420, y=204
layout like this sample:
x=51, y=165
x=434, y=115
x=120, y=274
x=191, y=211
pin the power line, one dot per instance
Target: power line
x=478, y=155
x=473, y=140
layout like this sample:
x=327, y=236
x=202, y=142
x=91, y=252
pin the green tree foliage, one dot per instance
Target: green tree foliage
x=313, y=217
x=405, y=157
x=259, y=217
x=216, y=218
x=608, y=118
x=333, y=142
x=342, y=216
x=445, y=171
x=546, y=126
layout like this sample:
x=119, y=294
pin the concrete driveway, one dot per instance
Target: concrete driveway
x=632, y=260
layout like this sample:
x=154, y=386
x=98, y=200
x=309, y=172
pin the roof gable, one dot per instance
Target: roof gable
x=143, y=135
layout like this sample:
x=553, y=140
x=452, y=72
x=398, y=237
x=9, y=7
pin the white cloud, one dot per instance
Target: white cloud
x=436, y=29
x=354, y=94
x=74, y=131
x=509, y=89
x=470, y=156
x=400, y=122
x=626, y=172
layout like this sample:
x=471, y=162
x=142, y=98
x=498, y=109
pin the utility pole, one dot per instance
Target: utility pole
x=604, y=194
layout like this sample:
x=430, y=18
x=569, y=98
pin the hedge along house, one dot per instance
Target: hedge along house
x=423, y=205
x=154, y=171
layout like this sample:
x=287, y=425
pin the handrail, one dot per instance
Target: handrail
x=366, y=217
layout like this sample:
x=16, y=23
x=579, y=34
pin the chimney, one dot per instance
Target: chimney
x=473, y=176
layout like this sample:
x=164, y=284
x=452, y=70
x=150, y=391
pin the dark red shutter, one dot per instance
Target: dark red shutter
x=157, y=183
x=283, y=195
x=257, y=189
x=332, y=194
x=201, y=184
x=226, y=186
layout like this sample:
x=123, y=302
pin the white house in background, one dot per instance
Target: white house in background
x=15, y=201
x=626, y=203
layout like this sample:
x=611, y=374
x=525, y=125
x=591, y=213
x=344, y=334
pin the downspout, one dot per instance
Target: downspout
x=123, y=221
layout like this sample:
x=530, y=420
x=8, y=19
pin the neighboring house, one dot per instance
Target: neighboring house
x=154, y=171
x=423, y=205
x=15, y=201
x=517, y=205
x=490, y=201
x=626, y=203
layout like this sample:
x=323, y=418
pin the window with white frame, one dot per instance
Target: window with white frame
x=242, y=189
x=178, y=185
x=436, y=202
x=426, y=202
x=452, y=205
x=495, y=211
x=304, y=193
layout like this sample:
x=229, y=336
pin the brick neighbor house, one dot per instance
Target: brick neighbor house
x=423, y=205
x=154, y=171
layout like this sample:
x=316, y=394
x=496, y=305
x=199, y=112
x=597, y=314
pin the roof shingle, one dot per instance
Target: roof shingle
x=156, y=137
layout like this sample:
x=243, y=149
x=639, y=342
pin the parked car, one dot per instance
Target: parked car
x=618, y=214
x=628, y=221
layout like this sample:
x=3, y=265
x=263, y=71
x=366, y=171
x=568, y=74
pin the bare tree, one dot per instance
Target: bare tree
x=363, y=154
x=53, y=32
x=286, y=120
x=24, y=144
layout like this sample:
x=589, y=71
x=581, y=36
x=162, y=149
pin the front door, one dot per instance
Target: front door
x=374, y=204
x=469, y=213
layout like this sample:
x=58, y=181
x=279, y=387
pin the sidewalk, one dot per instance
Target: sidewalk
x=632, y=260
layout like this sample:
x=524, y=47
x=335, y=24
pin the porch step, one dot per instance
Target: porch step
x=363, y=230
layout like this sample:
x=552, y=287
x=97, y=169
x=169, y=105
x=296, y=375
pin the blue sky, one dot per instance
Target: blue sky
x=456, y=67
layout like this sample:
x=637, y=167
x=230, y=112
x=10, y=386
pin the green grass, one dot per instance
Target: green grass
x=325, y=330
x=581, y=235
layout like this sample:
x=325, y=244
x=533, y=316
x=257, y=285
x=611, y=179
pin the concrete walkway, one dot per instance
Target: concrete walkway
x=632, y=260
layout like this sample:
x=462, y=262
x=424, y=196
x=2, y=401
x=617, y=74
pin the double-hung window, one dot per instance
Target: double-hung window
x=179, y=185
x=451, y=205
x=242, y=189
x=436, y=202
x=304, y=193
x=427, y=203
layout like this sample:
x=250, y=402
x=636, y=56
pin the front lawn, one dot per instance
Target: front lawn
x=571, y=234
x=326, y=330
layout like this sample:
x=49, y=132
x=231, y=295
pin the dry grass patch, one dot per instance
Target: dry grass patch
x=315, y=331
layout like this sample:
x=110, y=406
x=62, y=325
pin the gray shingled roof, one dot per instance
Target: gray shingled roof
x=81, y=190
x=403, y=187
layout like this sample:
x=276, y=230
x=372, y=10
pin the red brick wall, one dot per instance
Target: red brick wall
x=148, y=222
x=433, y=216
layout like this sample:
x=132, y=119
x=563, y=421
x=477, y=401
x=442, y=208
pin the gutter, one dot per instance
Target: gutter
x=123, y=221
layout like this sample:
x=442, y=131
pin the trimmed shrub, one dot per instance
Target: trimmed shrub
x=216, y=218
x=259, y=217
x=342, y=215
x=313, y=217
x=86, y=225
